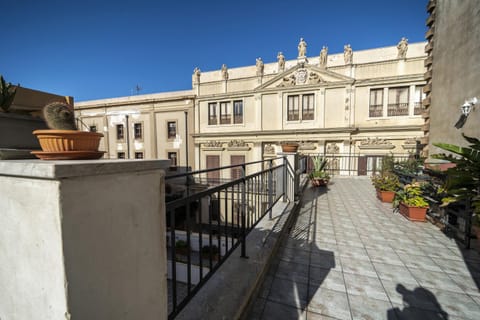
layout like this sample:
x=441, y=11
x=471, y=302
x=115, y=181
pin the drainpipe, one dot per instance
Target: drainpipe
x=128, y=137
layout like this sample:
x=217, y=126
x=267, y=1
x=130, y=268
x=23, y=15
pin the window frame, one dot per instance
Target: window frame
x=292, y=107
x=418, y=105
x=395, y=109
x=168, y=130
x=139, y=153
x=311, y=106
x=378, y=107
x=176, y=158
x=235, y=114
x=138, y=138
x=121, y=153
x=120, y=137
x=225, y=116
x=212, y=116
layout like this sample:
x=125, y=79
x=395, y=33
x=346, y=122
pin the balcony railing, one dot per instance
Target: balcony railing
x=397, y=109
x=375, y=110
x=418, y=108
x=207, y=222
x=212, y=120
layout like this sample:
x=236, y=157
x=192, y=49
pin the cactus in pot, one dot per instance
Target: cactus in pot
x=59, y=116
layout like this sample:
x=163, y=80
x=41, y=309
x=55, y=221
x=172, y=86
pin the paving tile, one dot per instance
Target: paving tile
x=256, y=310
x=292, y=271
x=435, y=280
x=387, y=257
x=412, y=313
x=458, y=304
x=468, y=284
x=266, y=285
x=365, y=286
x=297, y=256
x=399, y=274
x=327, y=279
x=372, y=309
x=359, y=267
x=329, y=303
x=419, y=262
x=458, y=267
x=317, y=316
x=275, y=311
x=288, y=292
x=325, y=259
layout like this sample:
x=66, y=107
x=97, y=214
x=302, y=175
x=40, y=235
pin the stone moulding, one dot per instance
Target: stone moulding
x=375, y=144
x=213, y=146
x=238, y=145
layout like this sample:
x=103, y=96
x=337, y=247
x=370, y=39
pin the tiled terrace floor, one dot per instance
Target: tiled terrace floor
x=350, y=257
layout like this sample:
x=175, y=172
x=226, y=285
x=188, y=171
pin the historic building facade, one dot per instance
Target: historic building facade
x=365, y=102
x=354, y=103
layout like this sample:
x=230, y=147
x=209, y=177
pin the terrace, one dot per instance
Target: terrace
x=283, y=249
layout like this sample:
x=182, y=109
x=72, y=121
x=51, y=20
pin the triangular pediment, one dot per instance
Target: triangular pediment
x=304, y=75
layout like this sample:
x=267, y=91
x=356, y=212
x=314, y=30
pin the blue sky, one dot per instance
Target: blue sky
x=103, y=49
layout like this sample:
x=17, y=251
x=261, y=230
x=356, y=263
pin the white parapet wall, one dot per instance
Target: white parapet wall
x=82, y=240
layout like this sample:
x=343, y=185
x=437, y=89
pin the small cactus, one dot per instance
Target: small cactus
x=59, y=116
x=7, y=93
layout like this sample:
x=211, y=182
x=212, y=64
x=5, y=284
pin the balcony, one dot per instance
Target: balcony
x=397, y=109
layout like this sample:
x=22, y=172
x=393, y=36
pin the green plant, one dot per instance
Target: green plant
x=410, y=166
x=388, y=163
x=385, y=182
x=319, y=166
x=181, y=244
x=411, y=195
x=7, y=94
x=463, y=180
x=59, y=116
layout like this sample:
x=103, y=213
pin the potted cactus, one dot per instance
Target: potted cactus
x=319, y=177
x=63, y=141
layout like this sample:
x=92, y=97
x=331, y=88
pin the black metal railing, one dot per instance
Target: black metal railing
x=418, y=108
x=397, y=109
x=375, y=110
x=207, y=222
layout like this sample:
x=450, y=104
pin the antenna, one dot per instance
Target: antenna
x=137, y=89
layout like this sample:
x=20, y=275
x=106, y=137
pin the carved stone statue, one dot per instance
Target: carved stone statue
x=288, y=81
x=196, y=75
x=323, y=57
x=402, y=48
x=224, y=72
x=281, y=61
x=260, y=67
x=302, y=48
x=314, y=78
x=347, y=54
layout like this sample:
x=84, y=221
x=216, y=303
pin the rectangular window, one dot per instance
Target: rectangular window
x=93, y=128
x=236, y=172
x=138, y=155
x=397, y=102
x=213, y=176
x=225, y=113
x=212, y=113
x=173, y=158
x=120, y=155
x=171, y=129
x=238, y=111
x=307, y=107
x=137, y=130
x=120, y=132
x=417, y=104
x=292, y=108
x=375, y=108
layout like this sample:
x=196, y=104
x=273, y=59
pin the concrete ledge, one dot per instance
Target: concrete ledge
x=59, y=169
x=227, y=293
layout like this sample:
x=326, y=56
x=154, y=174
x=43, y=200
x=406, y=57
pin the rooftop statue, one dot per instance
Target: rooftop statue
x=302, y=48
x=402, y=48
x=281, y=61
x=347, y=54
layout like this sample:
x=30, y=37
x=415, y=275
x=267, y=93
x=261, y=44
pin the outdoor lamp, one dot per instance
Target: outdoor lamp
x=466, y=108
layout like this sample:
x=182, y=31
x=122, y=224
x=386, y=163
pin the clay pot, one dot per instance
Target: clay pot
x=386, y=196
x=289, y=147
x=413, y=213
x=68, y=140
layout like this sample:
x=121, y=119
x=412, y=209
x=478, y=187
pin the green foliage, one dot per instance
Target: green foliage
x=7, y=93
x=463, y=180
x=319, y=166
x=385, y=182
x=181, y=244
x=388, y=163
x=59, y=116
x=410, y=166
x=411, y=195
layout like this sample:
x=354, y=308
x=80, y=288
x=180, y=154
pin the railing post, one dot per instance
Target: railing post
x=270, y=189
x=296, y=176
x=285, y=168
x=243, y=215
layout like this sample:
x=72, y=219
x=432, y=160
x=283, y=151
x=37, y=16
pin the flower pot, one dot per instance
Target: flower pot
x=318, y=182
x=413, y=213
x=286, y=147
x=385, y=196
x=68, y=144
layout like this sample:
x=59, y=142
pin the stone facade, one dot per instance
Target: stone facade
x=344, y=103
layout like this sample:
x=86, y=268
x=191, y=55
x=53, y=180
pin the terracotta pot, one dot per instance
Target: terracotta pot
x=289, y=147
x=413, y=213
x=68, y=140
x=385, y=196
x=318, y=182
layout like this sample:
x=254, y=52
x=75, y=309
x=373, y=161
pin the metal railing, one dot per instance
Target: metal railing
x=207, y=222
x=352, y=165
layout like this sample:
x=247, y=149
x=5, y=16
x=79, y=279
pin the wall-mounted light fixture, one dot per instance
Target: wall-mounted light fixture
x=466, y=108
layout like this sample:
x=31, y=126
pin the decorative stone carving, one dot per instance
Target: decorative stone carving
x=213, y=145
x=238, y=145
x=302, y=48
x=288, y=81
x=302, y=76
x=348, y=54
x=375, y=143
x=260, y=66
x=306, y=146
x=196, y=76
x=402, y=48
x=281, y=62
x=269, y=149
x=323, y=57
x=410, y=143
x=333, y=148
x=224, y=72
x=314, y=78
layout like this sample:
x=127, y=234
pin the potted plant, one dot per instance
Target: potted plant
x=386, y=185
x=63, y=141
x=210, y=251
x=181, y=247
x=319, y=177
x=411, y=202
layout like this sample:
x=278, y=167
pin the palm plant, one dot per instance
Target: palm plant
x=463, y=180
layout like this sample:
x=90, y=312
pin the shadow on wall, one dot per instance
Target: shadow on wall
x=418, y=303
